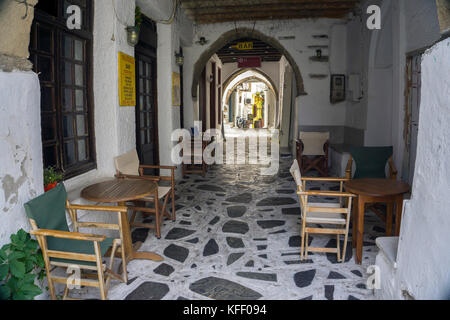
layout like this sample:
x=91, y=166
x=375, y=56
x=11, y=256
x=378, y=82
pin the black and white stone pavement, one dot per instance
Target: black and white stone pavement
x=237, y=236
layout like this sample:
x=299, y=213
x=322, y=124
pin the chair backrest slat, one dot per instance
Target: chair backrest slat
x=128, y=163
x=49, y=209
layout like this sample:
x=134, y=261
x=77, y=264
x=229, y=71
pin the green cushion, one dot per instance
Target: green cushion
x=49, y=212
x=371, y=161
x=49, y=209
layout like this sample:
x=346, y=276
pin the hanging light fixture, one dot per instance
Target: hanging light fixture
x=132, y=35
x=179, y=59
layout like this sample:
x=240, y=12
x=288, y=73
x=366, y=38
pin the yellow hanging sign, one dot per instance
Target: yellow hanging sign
x=244, y=46
x=127, y=80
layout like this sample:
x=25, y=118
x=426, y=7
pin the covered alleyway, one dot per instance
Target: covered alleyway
x=131, y=74
x=237, y=238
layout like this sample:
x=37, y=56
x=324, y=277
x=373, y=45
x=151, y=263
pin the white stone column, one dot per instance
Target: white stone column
x=168, y=115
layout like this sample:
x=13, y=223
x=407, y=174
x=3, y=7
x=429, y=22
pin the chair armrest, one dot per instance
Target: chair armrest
x=348, y=170
x=127, y=176
x=97, y=208
x=299, y=145
x=392, y=169
x=158, y=167
x=331, y=179
x=327, y=194
x=67, y=235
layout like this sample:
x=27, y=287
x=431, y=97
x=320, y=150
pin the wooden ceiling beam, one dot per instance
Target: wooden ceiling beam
x=193, y=4
x=270, y=54
x=269, y=8
x=214, y=18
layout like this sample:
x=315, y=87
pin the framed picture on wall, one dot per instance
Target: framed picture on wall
x=338, y=88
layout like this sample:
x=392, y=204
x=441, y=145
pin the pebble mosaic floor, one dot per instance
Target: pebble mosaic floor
x=237, y=237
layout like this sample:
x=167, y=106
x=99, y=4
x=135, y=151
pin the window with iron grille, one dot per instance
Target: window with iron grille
x=63, y=60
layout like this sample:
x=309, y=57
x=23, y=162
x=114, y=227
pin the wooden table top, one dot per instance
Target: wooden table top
x=377, y=187
x=119, y=190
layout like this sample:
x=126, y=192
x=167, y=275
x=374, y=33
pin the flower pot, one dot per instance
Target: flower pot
x=50, y=186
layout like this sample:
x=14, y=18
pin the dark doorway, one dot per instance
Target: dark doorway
x=212, y=97
x=202, y=99
x=181, y=93
x=413, y=99
x=146, y=105
x=219, y=96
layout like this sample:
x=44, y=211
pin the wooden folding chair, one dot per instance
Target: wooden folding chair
x=312, y=152
x=128, y=167
x=197, y=164
x=74, y=250
x=336, y=216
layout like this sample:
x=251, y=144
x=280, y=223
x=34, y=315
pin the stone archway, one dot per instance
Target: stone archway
x=232, y=86
x=239, y=34
x=260, y=76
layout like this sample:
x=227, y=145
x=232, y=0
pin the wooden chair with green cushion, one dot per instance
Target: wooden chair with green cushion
x=371, y=163
x=78, y=251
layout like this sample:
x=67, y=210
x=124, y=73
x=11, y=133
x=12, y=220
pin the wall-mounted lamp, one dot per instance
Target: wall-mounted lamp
x=202, y=41
x=319, y=53
x=179, y=59
x=132, y=35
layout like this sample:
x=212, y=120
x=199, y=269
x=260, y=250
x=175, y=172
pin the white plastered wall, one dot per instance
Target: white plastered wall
x=379, y=56
x=423, y=256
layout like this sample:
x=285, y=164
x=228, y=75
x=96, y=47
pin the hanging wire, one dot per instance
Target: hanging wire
x=26, y=4
x=172, y=16
x=254, y=25
x=115, y=12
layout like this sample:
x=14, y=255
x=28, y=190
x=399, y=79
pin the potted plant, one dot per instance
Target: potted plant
x=21, y=263
x=51, y=178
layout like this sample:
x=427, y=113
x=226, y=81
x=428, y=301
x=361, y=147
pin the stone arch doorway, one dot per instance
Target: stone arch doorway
x=236, y=34
x=258, y=74
x=271, y=97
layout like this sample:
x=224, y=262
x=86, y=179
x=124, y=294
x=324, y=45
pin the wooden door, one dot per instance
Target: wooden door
x=202, y=100
x=219, y=96
x=414, y=87
x=146, y=90
x=212, y=98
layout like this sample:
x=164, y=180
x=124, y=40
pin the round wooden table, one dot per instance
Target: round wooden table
x=375, y=191
x=120, y=191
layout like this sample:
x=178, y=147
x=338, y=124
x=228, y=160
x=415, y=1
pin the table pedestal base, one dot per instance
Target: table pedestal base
x=135, y=254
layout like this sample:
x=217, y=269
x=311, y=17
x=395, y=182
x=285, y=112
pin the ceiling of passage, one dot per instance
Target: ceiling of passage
x=215, y=11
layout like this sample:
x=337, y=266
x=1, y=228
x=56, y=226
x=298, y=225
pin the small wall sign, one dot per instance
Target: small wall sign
x=127, y=80
x=176, y=89
x=337, y=88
